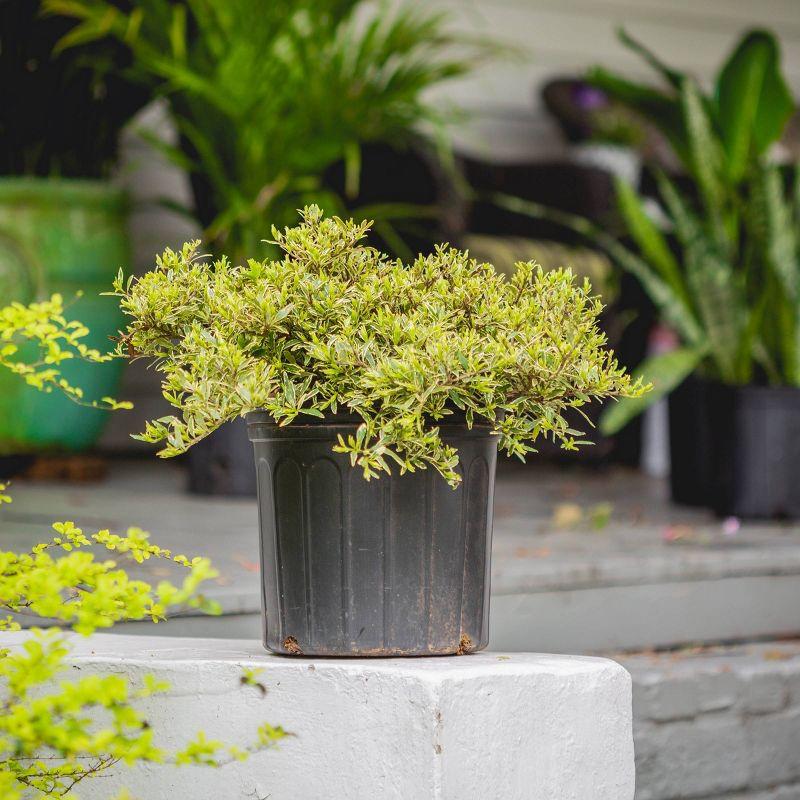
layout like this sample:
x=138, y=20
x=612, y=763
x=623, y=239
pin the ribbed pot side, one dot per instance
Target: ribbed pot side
x=397, y=566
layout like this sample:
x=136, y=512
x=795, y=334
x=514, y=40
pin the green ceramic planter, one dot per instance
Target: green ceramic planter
x=65, y=236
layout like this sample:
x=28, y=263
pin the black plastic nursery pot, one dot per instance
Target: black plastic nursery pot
x=690, y=444
x=746, y=449
x=395, y=566
x=222, y=463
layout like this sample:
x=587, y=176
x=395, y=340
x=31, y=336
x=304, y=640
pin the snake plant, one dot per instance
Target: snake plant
x=723, y=265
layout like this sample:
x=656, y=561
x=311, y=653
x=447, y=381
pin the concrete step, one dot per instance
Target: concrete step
x=513, y=726
x=717, y=723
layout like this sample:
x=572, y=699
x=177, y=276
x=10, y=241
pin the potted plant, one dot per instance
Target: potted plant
x=279, y=114
x=62, y=223
x=723, y=270
x=350, y=366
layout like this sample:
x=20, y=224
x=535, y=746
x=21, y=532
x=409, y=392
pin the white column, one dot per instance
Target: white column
x=477, y=727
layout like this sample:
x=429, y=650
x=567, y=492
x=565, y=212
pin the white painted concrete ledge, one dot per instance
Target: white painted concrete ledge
x=477, y=727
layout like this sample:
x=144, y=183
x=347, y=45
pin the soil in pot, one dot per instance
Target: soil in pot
x=397, y=566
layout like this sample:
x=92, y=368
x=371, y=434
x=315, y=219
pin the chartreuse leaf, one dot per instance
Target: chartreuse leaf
x=57, y=728
x=395, y=344
x=36, y=339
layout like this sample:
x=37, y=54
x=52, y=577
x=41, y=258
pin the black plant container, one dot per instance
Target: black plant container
x=741, y=447
x=690, y=446
x=222, y=463
x=755, y=440
x=397, y=566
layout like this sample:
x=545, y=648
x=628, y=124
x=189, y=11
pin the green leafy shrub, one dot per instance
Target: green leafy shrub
x=53, y=736
x=336, y=325
x=267, y=96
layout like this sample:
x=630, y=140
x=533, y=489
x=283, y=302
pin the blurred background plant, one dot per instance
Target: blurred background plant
x=725, y=271
x=62, y=221
x=717, y=251
x=266, y=112
x=324, y=102
x=42, y=88
x=718, y=256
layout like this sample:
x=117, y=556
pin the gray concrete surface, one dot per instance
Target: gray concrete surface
x=717, y=723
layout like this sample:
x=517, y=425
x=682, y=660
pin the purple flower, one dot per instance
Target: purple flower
x=589, y=98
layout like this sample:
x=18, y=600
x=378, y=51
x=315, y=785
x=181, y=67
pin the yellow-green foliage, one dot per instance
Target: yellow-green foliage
x=338, y=325
x=55, y=735
x=35, y=340
x=74, y=588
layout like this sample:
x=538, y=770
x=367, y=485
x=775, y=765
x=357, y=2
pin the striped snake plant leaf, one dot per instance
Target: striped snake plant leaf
x=713, y=283
x=781, y=240
x=705, y=152
x=782, y=257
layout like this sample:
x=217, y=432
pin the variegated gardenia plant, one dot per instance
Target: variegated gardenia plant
x=337, y=325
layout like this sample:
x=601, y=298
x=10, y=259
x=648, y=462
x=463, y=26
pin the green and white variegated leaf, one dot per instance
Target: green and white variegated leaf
x=706, y=156
x=670, y=304
x=335, y=323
